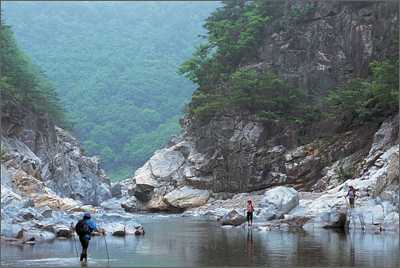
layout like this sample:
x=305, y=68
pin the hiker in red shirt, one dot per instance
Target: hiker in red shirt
x=250, y=210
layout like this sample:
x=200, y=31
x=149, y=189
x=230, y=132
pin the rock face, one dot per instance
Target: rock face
x=39, y=157
x=46, y=180
x=323, y=47
x=234, y=152
x=327, y=42
x=376, y=183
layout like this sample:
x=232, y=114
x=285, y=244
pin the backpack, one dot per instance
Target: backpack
x=82, y=228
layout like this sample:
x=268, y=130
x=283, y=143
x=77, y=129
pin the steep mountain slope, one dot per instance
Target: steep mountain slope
x=114, y=66
x=46, y=179
x=38, y=159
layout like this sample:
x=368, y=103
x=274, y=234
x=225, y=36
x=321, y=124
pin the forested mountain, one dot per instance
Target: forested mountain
x=114, y=66
x=22, y=84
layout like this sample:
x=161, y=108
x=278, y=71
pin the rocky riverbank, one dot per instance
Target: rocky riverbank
x=376, y=175
x=47, y=182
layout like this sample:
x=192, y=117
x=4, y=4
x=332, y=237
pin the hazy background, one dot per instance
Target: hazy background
x=114, y=66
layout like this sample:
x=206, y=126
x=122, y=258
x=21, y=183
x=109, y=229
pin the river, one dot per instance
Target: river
x=172, y=241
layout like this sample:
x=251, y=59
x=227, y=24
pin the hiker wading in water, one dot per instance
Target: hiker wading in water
x=250, y=210
x=351, y=195
x=84, y=229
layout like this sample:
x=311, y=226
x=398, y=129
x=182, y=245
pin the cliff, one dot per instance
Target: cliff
x=45, y=163
x=317, y=48
x=47, y=182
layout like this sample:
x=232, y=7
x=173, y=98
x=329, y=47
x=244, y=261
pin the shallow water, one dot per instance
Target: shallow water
x=177, y=241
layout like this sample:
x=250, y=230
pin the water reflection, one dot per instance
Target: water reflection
x=186, y=242
x=250, y=244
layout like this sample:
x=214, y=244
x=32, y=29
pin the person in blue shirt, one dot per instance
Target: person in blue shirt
x=84, y=228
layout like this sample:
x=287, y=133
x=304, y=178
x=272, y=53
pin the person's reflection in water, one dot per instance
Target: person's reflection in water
x=352, y=249
x=250, y=244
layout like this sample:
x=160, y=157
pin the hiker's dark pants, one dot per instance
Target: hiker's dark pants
x=249, y=216
x=351, y=201
x=85, y=244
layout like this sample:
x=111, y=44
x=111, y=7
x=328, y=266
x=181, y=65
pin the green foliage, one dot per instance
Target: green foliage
x=260, y=92
x=301, y=11
x=234, y=33
x=3, y=154
x=114, y=64
x=345, y=173
x=362, y=100
x=21, y=82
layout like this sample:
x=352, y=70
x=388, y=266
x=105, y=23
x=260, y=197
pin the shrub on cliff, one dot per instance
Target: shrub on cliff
x=363, y=100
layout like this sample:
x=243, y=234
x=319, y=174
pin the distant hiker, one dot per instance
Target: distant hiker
x=84, y=229
x=250, y=210
x=351, y=195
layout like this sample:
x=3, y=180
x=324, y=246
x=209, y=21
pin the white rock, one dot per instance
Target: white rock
x=381, y=138
x=113, y=204
x=186, y=197
x=144, y=176
x=8, y=197
x=279, y=201
x=165, y=161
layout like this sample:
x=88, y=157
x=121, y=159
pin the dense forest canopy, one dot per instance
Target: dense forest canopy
x=114, y=66
x=22, y=84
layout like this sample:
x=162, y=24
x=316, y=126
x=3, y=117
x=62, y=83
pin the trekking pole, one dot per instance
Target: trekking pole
x=73, y=235
x=105, y=242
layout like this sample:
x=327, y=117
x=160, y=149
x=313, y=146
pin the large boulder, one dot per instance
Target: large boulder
x=40, y=235
x=233, y=218
x=113, y=204
x=139, y=230
x=277, y=202
x=64, y=231
x=186, y=197
x=130, y=204
x=31, y=235
x=9, y=229
x=118, y=229
x=160, y=171
x=145, y=183
x=156, y=203
x=164, y=162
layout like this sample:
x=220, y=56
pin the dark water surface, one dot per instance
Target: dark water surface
x=177, y=241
